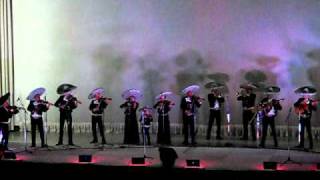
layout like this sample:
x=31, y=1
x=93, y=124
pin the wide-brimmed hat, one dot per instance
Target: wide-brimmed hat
x=93, y=93
x=132, y=92
x=192, y=88
x=271, y=90
x=38, y=91
x=65, y=88
x=248, y=86
x=166, y=94
x=4, y=98
x=213, y=85
x=306, y=90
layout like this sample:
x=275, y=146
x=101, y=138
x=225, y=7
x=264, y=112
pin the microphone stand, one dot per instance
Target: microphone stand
x=228, y=114
x=46, y=128
x=289, y=160
x=144, y=137
x=25, y=129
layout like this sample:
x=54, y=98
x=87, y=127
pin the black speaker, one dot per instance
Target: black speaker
x=9, y=155
x=270, y=165
x=85, y=158
x=193, y=162
x=16, y=128
x=318, y=166
x=137, y=160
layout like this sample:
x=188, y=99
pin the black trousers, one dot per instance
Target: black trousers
x=145, y=135
x=188, y=127
x=306, y=124
x=247, y=115
x=131, y=130
x=163, y=136
x=98, y=120
x=266, y=121
x=34, y=124
x=5, y=135
x=214, y=114
x=65, y=117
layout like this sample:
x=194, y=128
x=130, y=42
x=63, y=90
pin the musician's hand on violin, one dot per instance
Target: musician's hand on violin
x=48, y=105
x=200, y=98
x=108, y=100
x=96, y=109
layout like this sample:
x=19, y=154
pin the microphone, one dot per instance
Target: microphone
x=18, y=99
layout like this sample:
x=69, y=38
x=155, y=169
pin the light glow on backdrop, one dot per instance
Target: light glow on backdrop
x=164, y=45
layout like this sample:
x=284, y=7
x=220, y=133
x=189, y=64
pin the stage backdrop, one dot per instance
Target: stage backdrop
x=165, y=45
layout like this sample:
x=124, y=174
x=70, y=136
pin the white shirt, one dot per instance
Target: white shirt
x=216, y=105
x=272, y=112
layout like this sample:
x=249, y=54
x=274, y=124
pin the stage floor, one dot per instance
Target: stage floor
x=227, y=154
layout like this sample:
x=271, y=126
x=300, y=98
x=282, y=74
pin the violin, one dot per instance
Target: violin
x=46, y=103
x=198, y=98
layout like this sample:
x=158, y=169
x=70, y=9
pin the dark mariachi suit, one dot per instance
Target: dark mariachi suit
x=270, y=108
x=66, y=104
x=247, y=114
x=131, y=133
x=97, y=108
x=4, y=126
x=305, y=120
x=145, y=126
x=215, y=103
x=188, y=106
x=36, y=109
x=163, y=136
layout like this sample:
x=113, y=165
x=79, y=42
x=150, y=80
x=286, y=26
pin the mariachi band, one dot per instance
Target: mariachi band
x=267, y=109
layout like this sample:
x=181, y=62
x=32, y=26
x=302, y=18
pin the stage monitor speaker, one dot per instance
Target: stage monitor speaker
x=270, y=165
x=318, y=166
x=16, y=128
x=193, y=163
x=9, y=155
x=85, y=158
x=138, y=160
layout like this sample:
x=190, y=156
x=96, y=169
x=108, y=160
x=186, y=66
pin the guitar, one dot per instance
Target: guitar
x=304, y=107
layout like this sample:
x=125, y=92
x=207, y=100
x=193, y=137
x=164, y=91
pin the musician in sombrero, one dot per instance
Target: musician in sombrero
x=66, y=103
x=6, y=112
x=131, y=131
x=304, y=107
x=146, y=122
x=37, y=107
x=269, y=107
x=189, y=104
x=163, y=107
x=248, y=98
x=97, y=106
x=215, y=104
